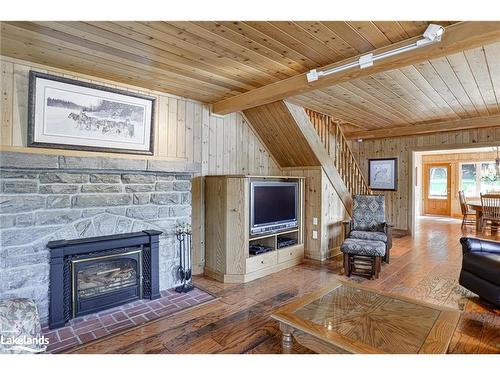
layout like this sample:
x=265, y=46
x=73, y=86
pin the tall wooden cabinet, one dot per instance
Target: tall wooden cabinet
x=227, y=232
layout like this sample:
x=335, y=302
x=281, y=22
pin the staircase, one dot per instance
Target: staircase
x=338, y=149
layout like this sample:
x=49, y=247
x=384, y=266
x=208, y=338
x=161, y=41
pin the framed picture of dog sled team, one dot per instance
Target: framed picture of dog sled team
x=69, y=114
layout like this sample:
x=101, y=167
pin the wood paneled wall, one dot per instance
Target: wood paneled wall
x=321, y=202
x=398, y=203
x=184, y=130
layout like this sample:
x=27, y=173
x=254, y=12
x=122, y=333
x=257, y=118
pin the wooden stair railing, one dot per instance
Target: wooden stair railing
x=335, y=143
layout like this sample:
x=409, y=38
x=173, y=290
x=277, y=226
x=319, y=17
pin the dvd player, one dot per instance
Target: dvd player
x=259, y=249
x=285, y=242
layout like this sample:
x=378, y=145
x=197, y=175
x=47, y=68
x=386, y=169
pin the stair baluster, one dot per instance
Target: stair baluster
x=336, y=144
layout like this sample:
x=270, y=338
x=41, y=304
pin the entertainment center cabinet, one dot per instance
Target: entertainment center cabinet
x=228, y=206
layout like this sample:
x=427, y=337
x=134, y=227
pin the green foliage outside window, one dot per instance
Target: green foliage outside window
x=476, y=178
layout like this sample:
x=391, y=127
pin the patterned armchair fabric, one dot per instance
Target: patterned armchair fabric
x=368, y=221
x=366, y=235
x=20, y=327
x=363, y=247
x=368, y=213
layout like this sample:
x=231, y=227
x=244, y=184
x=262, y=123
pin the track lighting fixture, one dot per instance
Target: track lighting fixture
x=432, y=35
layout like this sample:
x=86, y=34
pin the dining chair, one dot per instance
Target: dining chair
x=466, y=211
x=491, y=209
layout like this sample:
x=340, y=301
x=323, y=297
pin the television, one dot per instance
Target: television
x=273, y=206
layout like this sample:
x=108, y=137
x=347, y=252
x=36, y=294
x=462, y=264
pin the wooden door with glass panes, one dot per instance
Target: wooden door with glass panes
x=437, y=185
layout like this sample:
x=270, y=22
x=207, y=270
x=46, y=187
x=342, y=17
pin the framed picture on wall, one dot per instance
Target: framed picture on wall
x=69, y=114
x=383, y=174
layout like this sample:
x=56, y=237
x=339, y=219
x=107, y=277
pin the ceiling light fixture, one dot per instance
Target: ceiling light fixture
x=432, y=35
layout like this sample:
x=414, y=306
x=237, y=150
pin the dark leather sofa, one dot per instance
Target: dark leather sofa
x=481, y=268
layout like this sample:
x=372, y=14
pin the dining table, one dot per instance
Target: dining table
x=477, y=206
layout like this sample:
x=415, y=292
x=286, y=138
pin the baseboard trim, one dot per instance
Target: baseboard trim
x=332, y=253
x=244, y=278
x=400, y=232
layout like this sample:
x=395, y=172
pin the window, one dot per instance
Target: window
x=438, y=182
x=468, y=180
x=477, y=178
x=490, y=182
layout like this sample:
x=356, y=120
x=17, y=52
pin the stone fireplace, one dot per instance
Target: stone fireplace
x=98, y=273
x=45, y=198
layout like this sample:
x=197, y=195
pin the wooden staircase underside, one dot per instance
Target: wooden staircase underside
x=281, y=134
x=289, y=135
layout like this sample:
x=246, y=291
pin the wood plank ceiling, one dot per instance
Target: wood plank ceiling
x=458, y=86
x=210, y=61
x=207, y=61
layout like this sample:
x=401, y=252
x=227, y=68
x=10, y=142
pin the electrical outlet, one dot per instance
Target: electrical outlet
x=315, y=221
x=315, y=234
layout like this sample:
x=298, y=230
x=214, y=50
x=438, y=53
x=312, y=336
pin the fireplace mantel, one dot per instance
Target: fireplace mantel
x=92, y=244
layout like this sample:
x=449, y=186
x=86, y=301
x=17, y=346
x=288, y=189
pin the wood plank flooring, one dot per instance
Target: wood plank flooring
x=425, y=267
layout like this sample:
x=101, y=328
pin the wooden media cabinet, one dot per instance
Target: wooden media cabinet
x=227, y=232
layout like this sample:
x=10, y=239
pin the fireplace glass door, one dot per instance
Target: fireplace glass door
x=106, y=281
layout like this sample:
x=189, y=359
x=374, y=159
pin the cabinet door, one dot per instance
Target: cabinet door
x=290, y=253
x=259, y=262
x=236, y=225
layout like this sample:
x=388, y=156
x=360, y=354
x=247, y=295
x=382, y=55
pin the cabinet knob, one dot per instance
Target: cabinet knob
x=262, y=262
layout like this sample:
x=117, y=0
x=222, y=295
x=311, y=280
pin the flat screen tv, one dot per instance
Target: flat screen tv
x=273, y=206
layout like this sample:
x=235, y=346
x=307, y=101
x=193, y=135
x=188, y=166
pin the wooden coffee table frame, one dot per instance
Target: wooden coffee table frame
x=321, y=340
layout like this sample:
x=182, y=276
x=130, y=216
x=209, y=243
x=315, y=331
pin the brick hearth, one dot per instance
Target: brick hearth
x=94, y=326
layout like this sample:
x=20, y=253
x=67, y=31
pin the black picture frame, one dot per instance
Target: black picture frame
x=34, y=75
x=394, y=181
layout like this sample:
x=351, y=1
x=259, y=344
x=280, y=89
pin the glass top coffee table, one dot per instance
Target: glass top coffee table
x=348, y=318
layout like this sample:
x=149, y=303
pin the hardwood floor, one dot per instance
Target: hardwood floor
x=424, y=267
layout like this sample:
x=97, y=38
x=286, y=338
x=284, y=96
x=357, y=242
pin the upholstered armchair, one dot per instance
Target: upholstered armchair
x=368, y=221
x=20, y=327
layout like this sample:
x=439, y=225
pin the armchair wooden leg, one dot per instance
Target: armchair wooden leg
x=347, y=269
x=377, y=266
x=387, y=255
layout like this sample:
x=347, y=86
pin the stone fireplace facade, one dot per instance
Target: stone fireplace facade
x=48, y=198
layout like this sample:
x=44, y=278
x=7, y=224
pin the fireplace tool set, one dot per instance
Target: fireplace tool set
x=184, y=273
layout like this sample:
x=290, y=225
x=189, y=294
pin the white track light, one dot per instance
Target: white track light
x=312, y=75
x=432, y=35
x=366, y=61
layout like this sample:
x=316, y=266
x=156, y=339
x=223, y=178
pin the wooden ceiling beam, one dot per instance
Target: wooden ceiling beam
x=457, y=37
x=433, y=127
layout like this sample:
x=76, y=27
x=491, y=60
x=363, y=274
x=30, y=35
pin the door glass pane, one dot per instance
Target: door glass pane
x=468, y=180
x=438, y=182
x=490, y=182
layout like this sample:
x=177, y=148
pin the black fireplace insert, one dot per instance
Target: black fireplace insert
x=94, y=274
